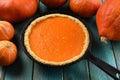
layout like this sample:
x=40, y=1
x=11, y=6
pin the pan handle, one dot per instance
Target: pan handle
x=110, y=70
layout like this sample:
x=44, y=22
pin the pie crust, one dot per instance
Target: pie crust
x=38, y=59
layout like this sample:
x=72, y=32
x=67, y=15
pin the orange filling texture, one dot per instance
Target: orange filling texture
x=57, y=39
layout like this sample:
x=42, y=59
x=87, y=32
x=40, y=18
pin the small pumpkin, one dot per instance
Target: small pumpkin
x=53, y=3
x=84, y=8
x=15, y=11
x=6, y=30
x=8, y=53
x=108, y=20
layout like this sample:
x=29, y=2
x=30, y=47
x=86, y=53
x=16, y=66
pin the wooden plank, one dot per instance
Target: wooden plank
x=22, y=68
x=77, y=71
x=100, y=50
x=42, y=72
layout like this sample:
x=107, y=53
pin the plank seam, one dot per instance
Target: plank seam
x=32, y=71
x=115, y=57
x=89, y=70
x=3, y=73
x=63, y=73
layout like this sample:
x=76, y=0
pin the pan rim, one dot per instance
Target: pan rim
x=58, y=63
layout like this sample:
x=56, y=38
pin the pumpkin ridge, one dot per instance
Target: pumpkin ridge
x=112, y=24
x=115, y=18
x=113, y=21
x=2, y=30
x=9, y=58
x=3, y=52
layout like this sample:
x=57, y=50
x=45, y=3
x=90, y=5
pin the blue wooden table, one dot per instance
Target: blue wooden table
x=26, y=69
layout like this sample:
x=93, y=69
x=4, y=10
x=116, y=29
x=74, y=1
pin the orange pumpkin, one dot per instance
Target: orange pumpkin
x=6, y=30
x=53, y=3
x=108, y=20
x=14, y=10
x=84, y=8
x=8, y=53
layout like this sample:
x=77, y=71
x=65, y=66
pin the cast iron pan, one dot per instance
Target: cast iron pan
x=113, y=72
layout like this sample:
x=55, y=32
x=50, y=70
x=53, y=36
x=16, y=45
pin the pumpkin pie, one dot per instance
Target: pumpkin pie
x=56, y=39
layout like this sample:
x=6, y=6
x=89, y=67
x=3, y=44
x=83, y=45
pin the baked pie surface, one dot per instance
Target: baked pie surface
x=56, y=39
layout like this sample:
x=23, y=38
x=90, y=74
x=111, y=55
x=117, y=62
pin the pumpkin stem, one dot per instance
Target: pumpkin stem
x=8, y=46
x=104, y=39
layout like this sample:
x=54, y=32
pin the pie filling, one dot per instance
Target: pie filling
x=56, y=38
